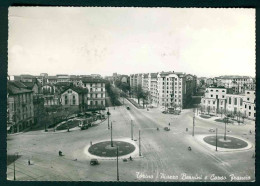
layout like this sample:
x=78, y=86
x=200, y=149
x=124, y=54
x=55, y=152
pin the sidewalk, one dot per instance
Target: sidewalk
x=213, y=118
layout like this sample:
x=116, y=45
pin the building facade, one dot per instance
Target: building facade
x=20, y=107
x=218, y=100
x=96, y=92
x=166, y=88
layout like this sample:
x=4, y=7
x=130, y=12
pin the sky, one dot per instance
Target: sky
x=83, y=40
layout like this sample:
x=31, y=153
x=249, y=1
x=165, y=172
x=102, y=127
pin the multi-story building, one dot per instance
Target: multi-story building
x=166, y=88
x=96, y=92
x=218, y=100
x=63, y=78
x=249, y=104
x=20, y=104
x=52, y=80
x=75, y=97
x=238, y=83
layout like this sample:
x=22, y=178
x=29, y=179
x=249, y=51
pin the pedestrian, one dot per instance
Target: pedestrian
x=29, y=162
x=169, y=124
x=91, y=143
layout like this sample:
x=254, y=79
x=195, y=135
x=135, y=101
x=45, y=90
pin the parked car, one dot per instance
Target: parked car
x=167, y=129
x=94, y=162
x=84, y=127
x=164, y=112
x=211, y=130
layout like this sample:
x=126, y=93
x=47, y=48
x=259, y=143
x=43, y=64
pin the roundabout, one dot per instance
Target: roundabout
x=104, y=149
x=229, y=142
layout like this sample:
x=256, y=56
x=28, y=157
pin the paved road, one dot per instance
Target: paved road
x=165, y=154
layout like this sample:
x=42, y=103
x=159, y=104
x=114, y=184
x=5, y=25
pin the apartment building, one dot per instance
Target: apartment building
x=166, y=88
x=20, y=107
x=96, y=93
x=249, y=104
x=238, y=83
x=217, y=100
x=75, y=97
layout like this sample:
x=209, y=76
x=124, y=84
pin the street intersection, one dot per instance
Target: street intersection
x=164, y=154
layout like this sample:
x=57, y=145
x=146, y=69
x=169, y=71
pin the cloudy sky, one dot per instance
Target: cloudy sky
x=204, y=42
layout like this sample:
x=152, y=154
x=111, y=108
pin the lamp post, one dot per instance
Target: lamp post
x=117, y=169
x=193, y=125
x=132, y=136
x=15, y=156
x=225, y=134
x=108, y=113
x=216, y=139
x=140, y=143
x=111, y=135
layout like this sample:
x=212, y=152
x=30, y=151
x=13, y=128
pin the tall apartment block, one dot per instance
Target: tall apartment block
x=166, y=88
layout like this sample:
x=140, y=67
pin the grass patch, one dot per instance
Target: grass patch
x=205, y=116
x=72, y=124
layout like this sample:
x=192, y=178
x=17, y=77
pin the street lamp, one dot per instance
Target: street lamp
x=132, y=135
x=140, y=143
x=117, y=169
x=193, y=125
x=216, y=139
x=15, y=156
x=108, y=113
x=225, y=134
x=111, y=135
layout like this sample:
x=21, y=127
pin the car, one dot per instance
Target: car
x=167, y=129
x=84, y=127
x=128, y=108
x=94, y=162
x=164, y=112
x=211, y=130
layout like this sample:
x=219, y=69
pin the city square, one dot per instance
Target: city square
x=131, y=94
x=163, y=153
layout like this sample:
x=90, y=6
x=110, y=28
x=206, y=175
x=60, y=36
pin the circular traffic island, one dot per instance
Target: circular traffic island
x=228, y=143
x=104, y=149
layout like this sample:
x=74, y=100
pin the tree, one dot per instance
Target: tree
x=139, y=92
x=145, y=97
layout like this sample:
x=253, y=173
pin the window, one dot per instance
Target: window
x=208, y=102
x=221, y=102
x=223, y=96
x=211, y=90
x=216, y=90
x=247, y=99
x=229, y=100
x=223, y=90
x=213, y=102
x=96, y=103
x=91, y=102
x=102, y=103
x=235, y=101
x=249, y=107
x=241, y=101
x=249, y=113
x=211, y=95
x=248, y=92
x=91, y=84
x=245, y=106
x=90, y=89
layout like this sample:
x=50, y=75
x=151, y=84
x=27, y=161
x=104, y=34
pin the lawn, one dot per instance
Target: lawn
x=205, y=116
x=72, y=124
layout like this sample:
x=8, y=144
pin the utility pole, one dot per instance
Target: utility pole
x=111, y=135
x=193, y=125
x=225, y=128
x=15, y=158
x=108, y=118
x=132, y=136
x=216, y=139
x=139, y=143
x=117, y=163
